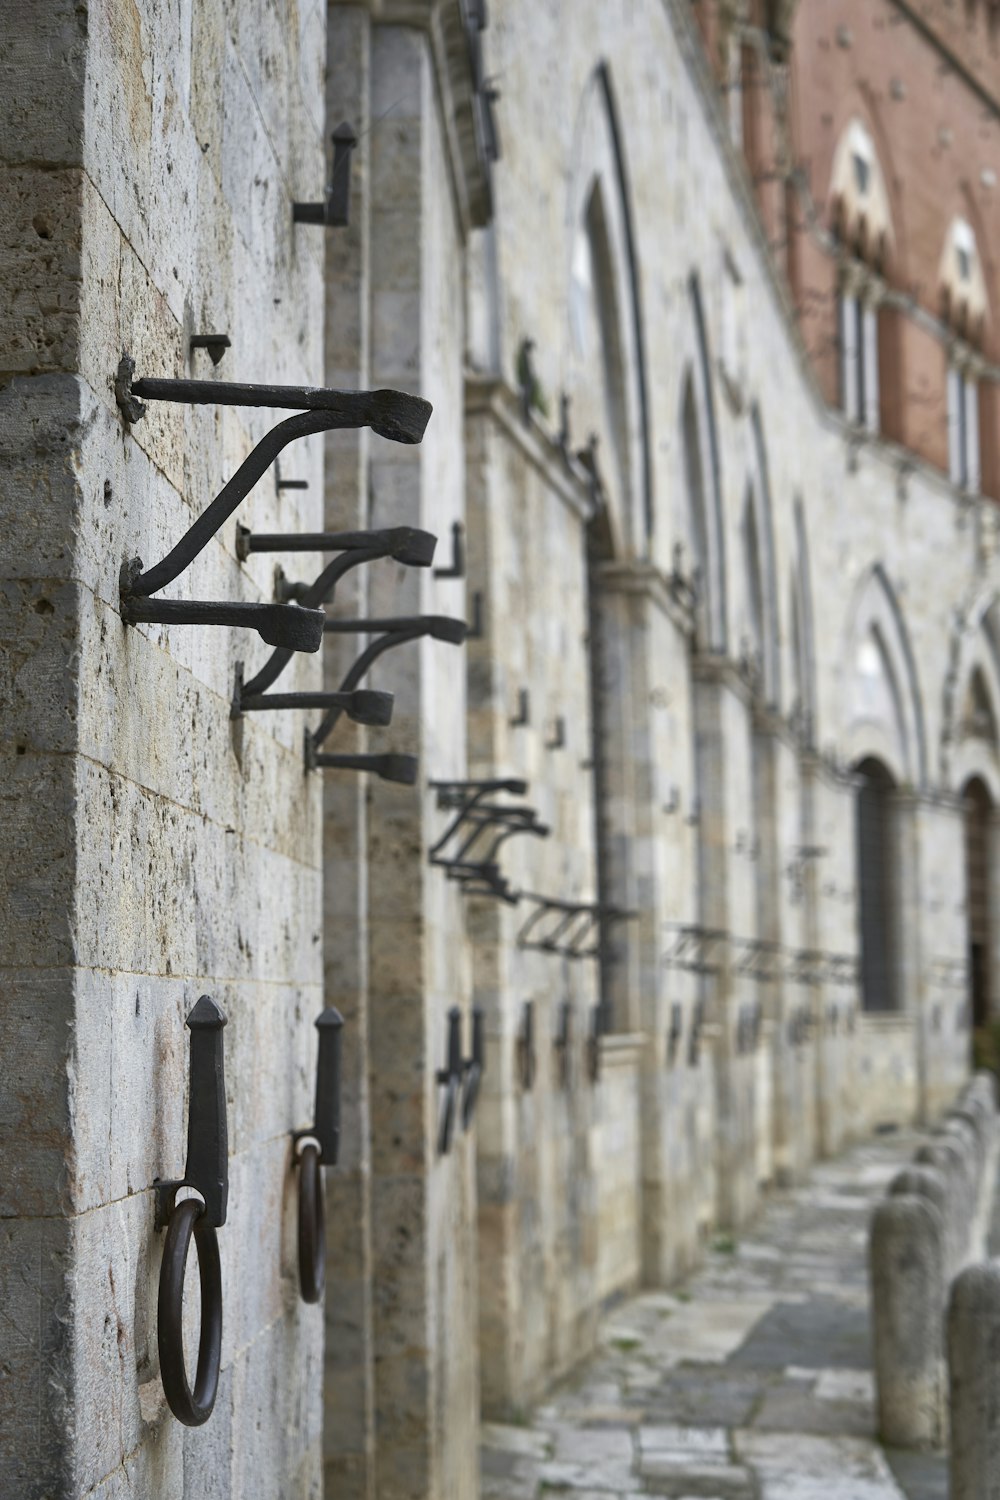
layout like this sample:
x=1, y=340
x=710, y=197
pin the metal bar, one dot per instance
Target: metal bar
x=401, y=768
x=277, y=624
x=439, y=627
x=207, y=1165
x=405, y=543
x=364, y=707
x=395, y=415
x=326, y=1113
x=335, y=213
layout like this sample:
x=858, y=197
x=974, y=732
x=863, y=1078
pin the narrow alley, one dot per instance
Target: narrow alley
x=752, y=1381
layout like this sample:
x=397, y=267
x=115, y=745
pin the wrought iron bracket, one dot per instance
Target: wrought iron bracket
x=392, y=414
x=281, y=625
x=335, y=213
x=388, y=634
x=404, y=544
x=570, y=926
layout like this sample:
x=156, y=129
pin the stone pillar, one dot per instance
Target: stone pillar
x=974, y=1391
x=908, y=1260
x=348, y=1387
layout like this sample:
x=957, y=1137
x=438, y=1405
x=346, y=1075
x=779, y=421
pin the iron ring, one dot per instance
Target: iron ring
x=190, y=1409
x=312, y=1225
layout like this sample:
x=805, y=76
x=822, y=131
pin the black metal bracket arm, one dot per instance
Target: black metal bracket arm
x=450, y=1078
x=392, y=414
x=404, y=544
x=318, y=1147
x=399, y=768
x=389, y=634
x=362, y=707
x=281, y=625
x=566, y=927
x=214, y=344
x=525, y=1053
x=206, y=1171
x=474, y=1068
x=474, y=817
x=335, y=213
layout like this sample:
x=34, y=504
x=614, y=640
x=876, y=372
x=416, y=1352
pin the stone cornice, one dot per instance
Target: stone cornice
x=488, y=395
x=643, y=579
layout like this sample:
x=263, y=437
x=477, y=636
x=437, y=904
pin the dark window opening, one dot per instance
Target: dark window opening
x=877, y=911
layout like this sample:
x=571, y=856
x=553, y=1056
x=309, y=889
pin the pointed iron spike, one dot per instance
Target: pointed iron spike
x=326, y=1124
x=207, y=1166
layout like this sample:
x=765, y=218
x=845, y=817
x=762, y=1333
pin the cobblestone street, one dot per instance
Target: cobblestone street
x=752, y=1381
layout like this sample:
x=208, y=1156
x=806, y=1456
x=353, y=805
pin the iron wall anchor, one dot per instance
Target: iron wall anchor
x=474, y=1069
x=594, y=1045
x=395, y=633
x=207, y=1172
x=335, y=213
x=526, y=1060
x=561, y=1042
x=450, y=1077
x=282, y=625
x=404, y=544
x=315, y=1148
x=215, y=344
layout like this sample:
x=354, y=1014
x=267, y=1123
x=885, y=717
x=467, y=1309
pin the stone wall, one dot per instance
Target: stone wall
x=152, y=849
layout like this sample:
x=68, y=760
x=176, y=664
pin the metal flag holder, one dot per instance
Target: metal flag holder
x=388, y=634
x=391, y=414
x=475, y=817
x=315, y=1148
x=206, y=1171
x=403, y=544
x=567, y=928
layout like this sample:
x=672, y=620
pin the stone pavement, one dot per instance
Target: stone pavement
x=750, y=1382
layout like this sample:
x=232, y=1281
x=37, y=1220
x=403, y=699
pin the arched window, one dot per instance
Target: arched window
x=861, y=219
x=875, y=844
x=978, y=811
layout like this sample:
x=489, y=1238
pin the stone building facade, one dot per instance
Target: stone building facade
x=732, y=655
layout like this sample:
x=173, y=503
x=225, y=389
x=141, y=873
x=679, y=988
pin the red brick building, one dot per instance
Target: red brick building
x=871, y=133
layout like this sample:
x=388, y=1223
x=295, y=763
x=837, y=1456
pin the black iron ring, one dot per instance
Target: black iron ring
x=190, y=1409
x=312, y=1225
